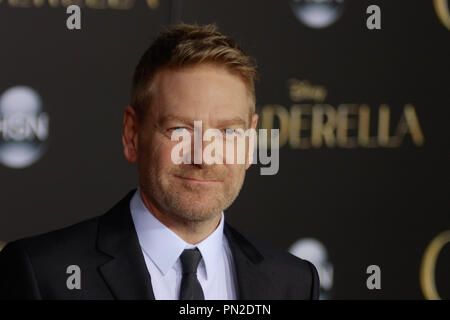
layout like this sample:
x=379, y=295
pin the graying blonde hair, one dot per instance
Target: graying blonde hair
x=186, y=45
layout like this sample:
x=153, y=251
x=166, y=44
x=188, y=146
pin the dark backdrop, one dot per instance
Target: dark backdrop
x=381, y=202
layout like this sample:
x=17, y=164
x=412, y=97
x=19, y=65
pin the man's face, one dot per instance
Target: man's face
x=207, y=93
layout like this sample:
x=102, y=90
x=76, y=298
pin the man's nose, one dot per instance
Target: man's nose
x=199, y=157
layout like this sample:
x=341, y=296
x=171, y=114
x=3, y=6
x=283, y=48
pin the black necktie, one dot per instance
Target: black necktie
x=190, y=287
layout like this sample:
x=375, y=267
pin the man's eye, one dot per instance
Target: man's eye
x=230, y=131
x=178, y=129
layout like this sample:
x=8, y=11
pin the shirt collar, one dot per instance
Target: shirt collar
x=164, y=246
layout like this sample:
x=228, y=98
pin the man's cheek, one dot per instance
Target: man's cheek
x=165, y=153
x=157, y=149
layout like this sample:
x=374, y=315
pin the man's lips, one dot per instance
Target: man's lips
x=195, y=180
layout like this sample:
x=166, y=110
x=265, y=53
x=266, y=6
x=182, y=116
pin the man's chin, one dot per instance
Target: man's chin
x=197, y=210
x=197, y=215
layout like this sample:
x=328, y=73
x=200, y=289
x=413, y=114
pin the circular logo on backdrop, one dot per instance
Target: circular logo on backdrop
x=23, y=127
x=315, y=252
x=317, y=13
x=428, y=266
x=442, y=8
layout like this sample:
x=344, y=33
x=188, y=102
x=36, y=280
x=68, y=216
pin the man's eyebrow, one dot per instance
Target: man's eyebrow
x=230, y=122
x=218, y=123
x=168, y=118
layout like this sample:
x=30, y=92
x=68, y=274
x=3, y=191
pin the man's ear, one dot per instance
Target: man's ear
x=251, y=146
x=130, y=134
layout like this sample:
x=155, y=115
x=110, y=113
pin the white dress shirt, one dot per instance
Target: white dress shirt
x=162, y=248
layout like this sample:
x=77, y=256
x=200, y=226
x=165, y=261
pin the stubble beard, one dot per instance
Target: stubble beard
x=189, y=203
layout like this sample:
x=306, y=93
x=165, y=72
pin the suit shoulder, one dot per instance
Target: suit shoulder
x=63, y=239
x=273, y=254
x=280, y=256
x=294, y=277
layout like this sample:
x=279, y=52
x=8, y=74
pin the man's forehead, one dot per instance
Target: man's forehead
x=191, y=101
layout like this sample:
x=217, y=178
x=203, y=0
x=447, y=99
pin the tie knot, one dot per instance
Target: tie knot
x=190, y=258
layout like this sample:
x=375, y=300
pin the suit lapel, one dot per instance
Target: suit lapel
x=252, y=282
x=126, y=273
x=127, y=276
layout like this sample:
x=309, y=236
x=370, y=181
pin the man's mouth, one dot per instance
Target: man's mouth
x=198, y=180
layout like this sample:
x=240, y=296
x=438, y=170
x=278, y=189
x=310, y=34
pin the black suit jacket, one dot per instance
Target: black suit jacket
x=107, y=250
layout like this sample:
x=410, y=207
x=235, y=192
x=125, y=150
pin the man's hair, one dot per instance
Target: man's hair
x=185, y=45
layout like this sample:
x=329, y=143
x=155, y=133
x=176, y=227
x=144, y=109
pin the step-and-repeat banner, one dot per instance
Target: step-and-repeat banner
x=359, y=91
